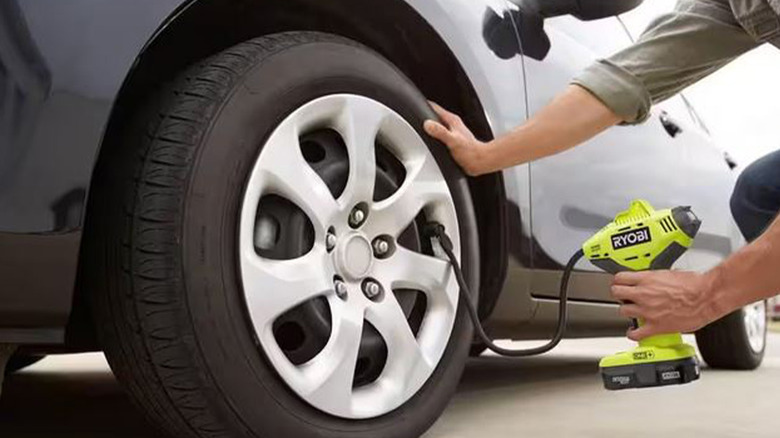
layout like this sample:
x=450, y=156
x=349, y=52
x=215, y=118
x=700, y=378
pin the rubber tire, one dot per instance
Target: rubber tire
x=724, y=344
x=163, y=263
x=19, y=362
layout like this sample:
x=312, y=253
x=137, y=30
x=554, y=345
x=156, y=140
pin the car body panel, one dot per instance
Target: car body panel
x=69, y=42
x=58, y=106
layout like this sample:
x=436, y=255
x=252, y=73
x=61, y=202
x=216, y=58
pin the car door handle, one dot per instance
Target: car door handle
x=671, y=127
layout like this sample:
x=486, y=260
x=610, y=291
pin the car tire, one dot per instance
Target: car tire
x=18, y=362
x=168, y=282
x=737, y=341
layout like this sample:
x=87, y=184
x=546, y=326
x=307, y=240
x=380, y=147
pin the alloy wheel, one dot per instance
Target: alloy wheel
x=352, y=268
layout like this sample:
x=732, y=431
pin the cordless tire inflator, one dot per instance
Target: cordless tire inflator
x=638, y=239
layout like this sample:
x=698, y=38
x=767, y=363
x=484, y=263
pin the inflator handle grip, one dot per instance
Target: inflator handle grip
x=689, y=224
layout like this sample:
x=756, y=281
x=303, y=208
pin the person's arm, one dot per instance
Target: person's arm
x=675, y=301
x=571, y=118
x=677, y=50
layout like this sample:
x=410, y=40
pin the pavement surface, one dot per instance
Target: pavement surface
x=556, y=395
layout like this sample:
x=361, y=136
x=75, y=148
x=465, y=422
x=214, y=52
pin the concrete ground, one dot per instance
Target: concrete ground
x=557, y=395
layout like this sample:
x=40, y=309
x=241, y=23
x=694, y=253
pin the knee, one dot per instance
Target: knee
x=743, y=194
x=756, y=196
x=758, y=186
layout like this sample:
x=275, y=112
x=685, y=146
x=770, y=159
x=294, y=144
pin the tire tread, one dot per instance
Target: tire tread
x=139, y=301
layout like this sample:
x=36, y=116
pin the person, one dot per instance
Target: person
x=677, y=49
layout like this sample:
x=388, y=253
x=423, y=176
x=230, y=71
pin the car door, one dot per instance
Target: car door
x=576, y=192
x=709, y=177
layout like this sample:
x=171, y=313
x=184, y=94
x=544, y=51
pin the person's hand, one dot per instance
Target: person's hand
x=467, y=151
x=667, y=301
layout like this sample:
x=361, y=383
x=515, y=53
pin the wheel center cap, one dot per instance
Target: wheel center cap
x=354, y=256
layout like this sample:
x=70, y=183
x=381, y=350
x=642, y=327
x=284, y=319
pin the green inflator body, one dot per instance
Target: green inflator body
x=640, y=239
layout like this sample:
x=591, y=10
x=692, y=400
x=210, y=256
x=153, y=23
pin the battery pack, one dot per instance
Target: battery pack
x=645, y=375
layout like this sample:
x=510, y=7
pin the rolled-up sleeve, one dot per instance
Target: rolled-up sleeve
x=676, y=50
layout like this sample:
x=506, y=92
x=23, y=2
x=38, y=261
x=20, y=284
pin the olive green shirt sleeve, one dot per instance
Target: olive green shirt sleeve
x=676, y=50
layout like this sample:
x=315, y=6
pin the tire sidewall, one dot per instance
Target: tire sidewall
x=242, y=383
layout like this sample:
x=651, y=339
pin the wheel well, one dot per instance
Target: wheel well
x=391, y=27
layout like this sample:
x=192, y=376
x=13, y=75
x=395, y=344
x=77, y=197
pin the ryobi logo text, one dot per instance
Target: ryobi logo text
x=631, y=238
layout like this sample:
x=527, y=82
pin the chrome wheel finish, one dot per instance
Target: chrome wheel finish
x=754, y=318
x=357, y=217
x=340, y=288
x=381, y=247
x=330, y=241
x=342, y=266
x=371, y=289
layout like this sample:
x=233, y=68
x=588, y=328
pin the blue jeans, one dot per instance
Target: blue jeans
x=756, y=198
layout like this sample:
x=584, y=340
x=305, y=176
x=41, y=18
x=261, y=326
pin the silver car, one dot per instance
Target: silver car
x=226, y=197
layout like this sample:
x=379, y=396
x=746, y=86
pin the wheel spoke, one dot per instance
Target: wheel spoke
x=273, y=287
x=407, y=364
x=408, y=269
x=421, y=188
x=285, y=172
x=359, y=124
x=331, y=373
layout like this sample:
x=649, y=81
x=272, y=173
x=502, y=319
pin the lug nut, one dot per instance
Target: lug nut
x=330, y=241
x=371, y=289
x=341, y=289
x=381, y=247
x=356, y=217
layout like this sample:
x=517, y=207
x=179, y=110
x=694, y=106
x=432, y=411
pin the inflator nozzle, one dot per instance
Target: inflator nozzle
x=436, y=230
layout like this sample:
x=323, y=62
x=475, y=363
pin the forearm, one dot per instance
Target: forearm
x=749, y=275
x=570, y=119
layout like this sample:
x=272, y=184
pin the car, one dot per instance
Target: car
x=227, y=198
